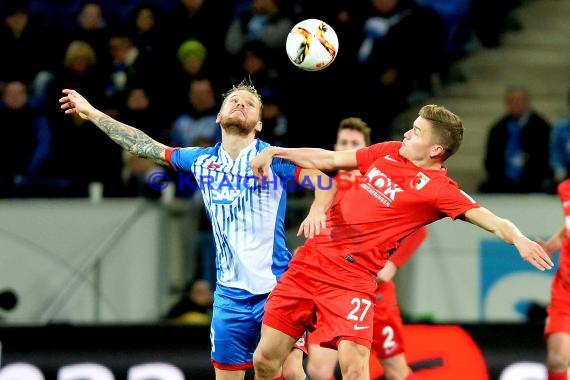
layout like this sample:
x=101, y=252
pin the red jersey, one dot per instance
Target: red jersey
x=392, y=199
x=559, y=309
x=563, y=263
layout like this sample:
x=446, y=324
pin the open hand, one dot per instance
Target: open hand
x=74, y=103
x=313, y=223
x=533, y=253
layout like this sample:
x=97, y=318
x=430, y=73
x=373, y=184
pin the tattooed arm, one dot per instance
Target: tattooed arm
x=130, y=139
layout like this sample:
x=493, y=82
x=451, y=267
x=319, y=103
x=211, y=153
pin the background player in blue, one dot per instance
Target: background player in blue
x=247, y=218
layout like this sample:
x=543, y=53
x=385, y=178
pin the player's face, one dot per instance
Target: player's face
x=240, y=113
x=348, y=139
x=418, y=142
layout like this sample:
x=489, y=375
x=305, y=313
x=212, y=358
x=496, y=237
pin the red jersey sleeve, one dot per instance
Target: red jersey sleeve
x=409, y=246
x=366, y=156
x=454, y=202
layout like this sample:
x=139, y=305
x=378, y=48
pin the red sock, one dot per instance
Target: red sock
x=557, y=375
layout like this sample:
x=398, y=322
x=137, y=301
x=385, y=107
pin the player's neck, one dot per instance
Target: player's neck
x=234, y=144
x=428, y=164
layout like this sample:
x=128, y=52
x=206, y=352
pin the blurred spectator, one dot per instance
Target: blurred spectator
x=92, y=27
x=140, y=110
x=560, y=147
x=256, y=66
x=192, y=56
x=80, y=71
x=394, y=34
x=129, y=66
x=274, y=122
x=28, y=50
x=517, y=153
x=147, y=29
x=192, y=63
x=27, y=130
x=205, y=21
x=264, y=21
x=198, y=121
x=455, y=16
x=136, y=174
x=195, y=306
x=491, y=18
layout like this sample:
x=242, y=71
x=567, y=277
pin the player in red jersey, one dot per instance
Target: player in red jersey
x=388, y=342
x=331, y=279
x=557, y=329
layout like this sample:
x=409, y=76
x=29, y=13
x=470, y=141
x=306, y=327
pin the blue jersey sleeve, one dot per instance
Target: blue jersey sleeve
x=283, y=168
x=182, y=158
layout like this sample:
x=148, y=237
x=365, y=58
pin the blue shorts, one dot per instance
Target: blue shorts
x=236, y=326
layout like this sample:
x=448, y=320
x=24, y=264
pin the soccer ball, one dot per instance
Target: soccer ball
x=312, y=45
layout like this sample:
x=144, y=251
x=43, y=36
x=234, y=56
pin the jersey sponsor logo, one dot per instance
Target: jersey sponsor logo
x=358, y=327
x=419, y=181
x=381, y=187
x=224, y=195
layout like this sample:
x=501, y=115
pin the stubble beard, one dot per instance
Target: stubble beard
x=237, y=126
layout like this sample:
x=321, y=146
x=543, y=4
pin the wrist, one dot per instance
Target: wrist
x=276, y=151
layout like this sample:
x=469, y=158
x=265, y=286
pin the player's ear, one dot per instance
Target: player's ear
x=436, y=150
x=258, y=126
x=218, y=118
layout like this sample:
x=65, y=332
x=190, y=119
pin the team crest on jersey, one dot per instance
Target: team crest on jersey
x=419, y=181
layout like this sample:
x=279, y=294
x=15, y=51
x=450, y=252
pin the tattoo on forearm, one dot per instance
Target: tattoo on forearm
x=132, y=139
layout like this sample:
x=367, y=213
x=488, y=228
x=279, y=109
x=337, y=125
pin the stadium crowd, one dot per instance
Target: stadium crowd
x=126, y=55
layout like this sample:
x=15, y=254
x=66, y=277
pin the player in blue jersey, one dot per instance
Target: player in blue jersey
x=247, y=218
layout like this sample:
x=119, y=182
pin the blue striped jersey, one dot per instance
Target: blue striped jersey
x=247, y=216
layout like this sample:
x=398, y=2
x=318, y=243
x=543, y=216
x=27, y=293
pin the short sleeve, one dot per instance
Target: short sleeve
x=366, y=156
x=454, y=202
x=181, y=159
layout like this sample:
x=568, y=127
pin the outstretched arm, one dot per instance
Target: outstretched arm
x=310, y=158
x=504, y=229
x=130, y=139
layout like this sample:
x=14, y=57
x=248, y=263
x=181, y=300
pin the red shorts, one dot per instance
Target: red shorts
x=388, y=327
x=315, y=290
x=388, y=338
x=559, y=309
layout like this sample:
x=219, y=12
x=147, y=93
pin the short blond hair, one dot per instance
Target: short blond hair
x=245, y=85
x=447, y=127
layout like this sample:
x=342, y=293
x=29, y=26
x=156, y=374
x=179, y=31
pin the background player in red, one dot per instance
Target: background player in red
x=331, y=279
x=387, y=344
x=557, y=329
